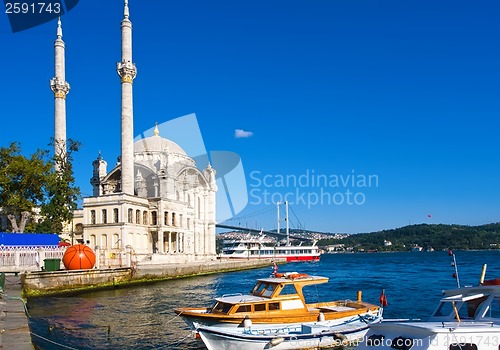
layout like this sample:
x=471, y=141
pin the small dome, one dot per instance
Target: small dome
x=157, y=144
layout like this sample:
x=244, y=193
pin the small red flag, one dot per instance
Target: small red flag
x=383, y=299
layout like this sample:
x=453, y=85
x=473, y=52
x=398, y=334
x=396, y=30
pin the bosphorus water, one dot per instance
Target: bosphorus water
x=142, y=317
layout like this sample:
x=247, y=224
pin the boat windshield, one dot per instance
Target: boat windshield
x=221, y=307
x=466, y=308
x=262, y=289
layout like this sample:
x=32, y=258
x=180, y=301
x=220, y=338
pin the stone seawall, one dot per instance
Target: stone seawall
x=76, y=281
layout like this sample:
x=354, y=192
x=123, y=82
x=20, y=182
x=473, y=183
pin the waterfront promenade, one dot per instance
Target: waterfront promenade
x=14, y=329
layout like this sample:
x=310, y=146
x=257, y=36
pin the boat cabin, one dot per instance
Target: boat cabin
x=269, y=294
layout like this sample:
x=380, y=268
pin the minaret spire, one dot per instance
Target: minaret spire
x=125, y=10
x=127, y=72
x=59, y=28
x=60, y=87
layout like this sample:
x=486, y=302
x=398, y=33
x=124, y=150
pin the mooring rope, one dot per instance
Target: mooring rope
x=190, y=334
x=173, y=318
x=53, y=342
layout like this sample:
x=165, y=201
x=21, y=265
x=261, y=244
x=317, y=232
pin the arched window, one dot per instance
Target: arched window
x=115, y=215
x=188, y=223
x=137, y=216
x=104, y=216
x=116, y=240
x=165, y=218
x=173, y=219
x=180, y=220
x=130, y=216
x=144, y=217
x=92, y=217
x=92, y=241
x=104, y=241
x=154, y=218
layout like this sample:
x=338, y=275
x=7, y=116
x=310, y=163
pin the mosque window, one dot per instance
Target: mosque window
x=104, y=216
x=145, y=218
x=92, y=241
x=92, y=217
x=154, y=218
x=130, y=215
x=115, y=215
x=137, y=216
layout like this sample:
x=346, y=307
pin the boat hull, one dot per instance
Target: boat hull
x=286, y=337
x=432, y=336
x=288, y=258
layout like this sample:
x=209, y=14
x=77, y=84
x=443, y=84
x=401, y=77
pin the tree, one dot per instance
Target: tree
x=62, y=193
x=22, y=184
x=30, y=185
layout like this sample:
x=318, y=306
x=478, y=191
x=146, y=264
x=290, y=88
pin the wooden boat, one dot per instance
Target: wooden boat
x=275, y=300
x=466, y=318
x=317, y=335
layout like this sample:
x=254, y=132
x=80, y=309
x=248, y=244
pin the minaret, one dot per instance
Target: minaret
x=60, y=87
x=127, y=72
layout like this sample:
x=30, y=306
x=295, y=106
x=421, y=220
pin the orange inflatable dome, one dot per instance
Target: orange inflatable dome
x=79, y=257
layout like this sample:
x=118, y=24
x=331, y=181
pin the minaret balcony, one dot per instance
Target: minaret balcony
x=59, y=88
x=126, y=70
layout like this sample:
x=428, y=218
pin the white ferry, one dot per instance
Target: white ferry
x=252, y=248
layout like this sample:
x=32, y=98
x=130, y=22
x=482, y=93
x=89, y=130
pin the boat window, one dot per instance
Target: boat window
x=494, y=308
x=269, y=290
x=444, y=309
x=274, y=306
x=259, y=287
x=288, y=289
x=244, y=308
x=222, y=307
x=473, y=306
x=259, y=307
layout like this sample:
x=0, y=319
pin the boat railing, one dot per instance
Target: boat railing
x=232, y=295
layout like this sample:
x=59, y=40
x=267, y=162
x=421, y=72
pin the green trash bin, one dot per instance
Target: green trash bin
x=51, y=264
x=2, y=281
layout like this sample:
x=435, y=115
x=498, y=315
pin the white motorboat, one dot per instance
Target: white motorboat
x=466, y=318
x=308, y=335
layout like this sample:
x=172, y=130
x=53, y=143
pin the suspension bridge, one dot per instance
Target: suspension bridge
x=277, y=217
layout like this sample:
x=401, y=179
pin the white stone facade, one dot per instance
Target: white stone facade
x=170, y=217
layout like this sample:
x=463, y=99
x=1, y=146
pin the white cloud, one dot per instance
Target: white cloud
x=240, y=133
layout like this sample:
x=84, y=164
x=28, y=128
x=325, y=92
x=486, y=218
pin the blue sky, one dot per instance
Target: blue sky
x=407, y=91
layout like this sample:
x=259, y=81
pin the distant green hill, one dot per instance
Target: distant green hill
x=438, y=237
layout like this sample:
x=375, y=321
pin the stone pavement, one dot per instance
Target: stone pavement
x=14, y=329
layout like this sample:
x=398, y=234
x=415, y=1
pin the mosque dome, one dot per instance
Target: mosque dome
x=157, y=144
